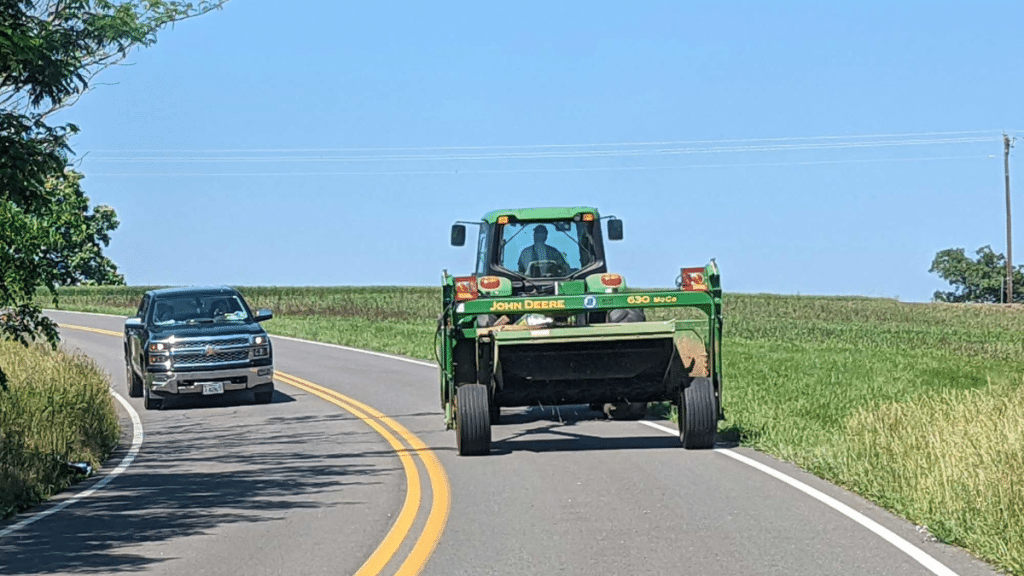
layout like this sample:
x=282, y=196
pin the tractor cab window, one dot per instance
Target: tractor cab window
x=546, y=249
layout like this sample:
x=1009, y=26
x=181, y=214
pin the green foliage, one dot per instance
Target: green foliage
x=50, y=50
x=978, y=280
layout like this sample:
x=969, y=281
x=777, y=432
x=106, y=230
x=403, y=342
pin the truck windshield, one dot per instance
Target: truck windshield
x=207, y=308
x=546, y=249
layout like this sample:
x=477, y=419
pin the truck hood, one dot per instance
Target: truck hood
x=206, y=330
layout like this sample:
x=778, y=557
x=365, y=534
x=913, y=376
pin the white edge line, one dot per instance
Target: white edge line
x=137, y=436
x=889, y=536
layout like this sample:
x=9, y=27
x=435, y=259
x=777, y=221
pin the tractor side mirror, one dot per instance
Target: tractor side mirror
x=615, y=229
x=458, y=235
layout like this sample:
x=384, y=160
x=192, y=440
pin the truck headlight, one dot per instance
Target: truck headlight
x=157, y=358
x=259, y=340
x=157, y=346
x=260, y=352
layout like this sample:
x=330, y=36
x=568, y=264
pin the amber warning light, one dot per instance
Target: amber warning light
x=465, y=288
x=611, y=280
x=490, y=282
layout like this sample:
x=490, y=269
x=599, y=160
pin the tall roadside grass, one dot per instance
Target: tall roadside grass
x=952, y=461
x=57, y=409
x=916, y=406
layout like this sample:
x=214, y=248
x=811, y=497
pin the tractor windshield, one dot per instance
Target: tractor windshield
x=546, y=249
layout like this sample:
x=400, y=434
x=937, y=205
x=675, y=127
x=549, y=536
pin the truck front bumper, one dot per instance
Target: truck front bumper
x=247, y=378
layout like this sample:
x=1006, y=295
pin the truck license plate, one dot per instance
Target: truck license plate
x=213, y=388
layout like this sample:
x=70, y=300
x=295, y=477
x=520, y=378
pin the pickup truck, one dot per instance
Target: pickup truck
x=197, y=341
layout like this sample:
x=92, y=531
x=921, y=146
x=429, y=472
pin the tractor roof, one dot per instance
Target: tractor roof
x=539, y=213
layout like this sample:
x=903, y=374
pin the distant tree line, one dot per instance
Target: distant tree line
x=975, y=280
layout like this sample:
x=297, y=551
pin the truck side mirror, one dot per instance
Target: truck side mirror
x=263, y=314
x=134, y=324
x=615, y=229
x=458, y=235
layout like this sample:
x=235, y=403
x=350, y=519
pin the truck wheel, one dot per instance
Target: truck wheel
x=264, y=396
x=472, y=420
x=626, y=410
x=134, y=382
x=698, y=418
x=149, y=402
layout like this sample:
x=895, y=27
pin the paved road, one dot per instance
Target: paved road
x=306, y=486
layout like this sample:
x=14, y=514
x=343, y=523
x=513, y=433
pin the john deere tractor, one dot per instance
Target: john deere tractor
x=544, y=321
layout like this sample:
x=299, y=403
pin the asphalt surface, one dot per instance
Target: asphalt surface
x=302, y=486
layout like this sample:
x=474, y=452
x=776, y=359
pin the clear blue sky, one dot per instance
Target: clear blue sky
x=297, y=98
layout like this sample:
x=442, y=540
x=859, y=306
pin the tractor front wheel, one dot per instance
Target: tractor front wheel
x=698, y=414
x=472, y=420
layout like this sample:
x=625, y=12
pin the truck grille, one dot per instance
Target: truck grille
x=203, y=343
x=213, y=359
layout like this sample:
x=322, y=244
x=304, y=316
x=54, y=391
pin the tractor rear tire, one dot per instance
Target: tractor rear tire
x=134, y=382
x=472, y=420
x=698, y=415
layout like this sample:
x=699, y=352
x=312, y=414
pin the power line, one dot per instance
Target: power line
x=528, y=170
x=559, y=155
x=592, y=145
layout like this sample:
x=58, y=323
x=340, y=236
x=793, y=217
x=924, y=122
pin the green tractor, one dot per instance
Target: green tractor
x=542, y=321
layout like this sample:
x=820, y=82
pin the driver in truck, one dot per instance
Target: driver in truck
x=539, y=259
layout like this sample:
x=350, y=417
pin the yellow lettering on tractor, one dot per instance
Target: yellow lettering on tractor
x=506, y=306
x=544, y=304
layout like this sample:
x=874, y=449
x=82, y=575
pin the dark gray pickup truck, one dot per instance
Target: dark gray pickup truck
x=197, y=341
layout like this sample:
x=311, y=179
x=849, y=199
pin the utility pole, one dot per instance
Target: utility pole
x=1009, y=238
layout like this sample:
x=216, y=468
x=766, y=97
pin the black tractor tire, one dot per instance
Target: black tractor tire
x=149, y=402
x=263, y=396
x=134, y=382
x=698, y=415
x=472, y=420
x=626, y=315
x=626, y=410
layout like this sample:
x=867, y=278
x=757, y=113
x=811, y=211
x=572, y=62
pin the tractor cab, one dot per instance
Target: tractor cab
x=534, y=250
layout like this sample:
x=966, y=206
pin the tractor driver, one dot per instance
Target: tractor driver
x=539, y=259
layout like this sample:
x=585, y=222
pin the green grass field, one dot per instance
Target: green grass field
x=915, y=406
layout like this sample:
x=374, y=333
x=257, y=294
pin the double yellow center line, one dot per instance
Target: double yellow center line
x=440, y=489
x=394, y=434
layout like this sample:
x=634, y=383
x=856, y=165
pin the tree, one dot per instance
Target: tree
x=50, y=51
x=973, y=280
